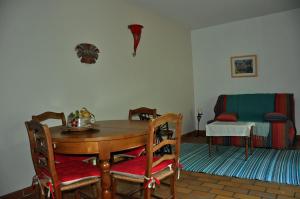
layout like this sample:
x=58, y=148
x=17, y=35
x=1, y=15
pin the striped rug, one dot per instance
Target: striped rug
x=280, y=166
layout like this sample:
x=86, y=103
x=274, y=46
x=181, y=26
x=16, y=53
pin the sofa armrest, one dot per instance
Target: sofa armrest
x=275, y=117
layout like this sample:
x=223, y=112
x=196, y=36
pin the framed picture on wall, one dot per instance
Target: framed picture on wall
x=244, y=66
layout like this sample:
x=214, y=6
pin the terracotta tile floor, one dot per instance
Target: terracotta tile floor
x=204, y=186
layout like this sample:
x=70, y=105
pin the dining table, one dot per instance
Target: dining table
x=102, y=139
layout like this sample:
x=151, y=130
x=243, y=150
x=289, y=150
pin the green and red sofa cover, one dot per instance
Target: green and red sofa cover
x=254, y=107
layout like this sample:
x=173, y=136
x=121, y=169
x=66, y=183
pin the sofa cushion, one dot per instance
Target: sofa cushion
x=230, y=117
x=275, y=117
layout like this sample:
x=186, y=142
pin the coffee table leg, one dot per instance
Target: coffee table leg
x=209, y=145
x=251, y=140
x=246, y=147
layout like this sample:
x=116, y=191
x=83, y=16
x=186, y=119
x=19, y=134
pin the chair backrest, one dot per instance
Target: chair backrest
x=152, y=146
x=143, y=113
x=50, y=115
x=42, y=150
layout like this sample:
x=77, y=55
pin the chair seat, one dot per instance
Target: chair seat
x=137, y=167
x=74, y=171
x=133, y=153
x=59, y=158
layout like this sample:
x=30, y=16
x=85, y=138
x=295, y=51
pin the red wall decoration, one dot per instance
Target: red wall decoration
x=136, y=30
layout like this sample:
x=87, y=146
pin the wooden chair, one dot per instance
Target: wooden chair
x=60, y=158
x=164, y=132
x=142, y=113
x=50, y=115
x=150, y=169
x=57, y=177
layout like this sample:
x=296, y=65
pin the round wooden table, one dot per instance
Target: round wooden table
x=106, y=137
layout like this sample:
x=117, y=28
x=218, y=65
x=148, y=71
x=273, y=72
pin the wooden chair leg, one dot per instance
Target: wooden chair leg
x=42, y=192
x=147, y=193
x=141, y=189
x=77, y=194
x=57, y=193
x=173, y=185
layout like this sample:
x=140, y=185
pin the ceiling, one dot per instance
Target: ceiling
x=196, y=14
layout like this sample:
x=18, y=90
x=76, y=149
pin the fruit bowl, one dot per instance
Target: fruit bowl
x=81, y=120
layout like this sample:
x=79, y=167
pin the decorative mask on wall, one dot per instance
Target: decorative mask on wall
x=87, y=52
x=136, y=30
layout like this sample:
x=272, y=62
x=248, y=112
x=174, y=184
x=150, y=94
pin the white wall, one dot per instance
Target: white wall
x=40, y=70
x=275, y=41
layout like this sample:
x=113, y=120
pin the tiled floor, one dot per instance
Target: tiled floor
x=204, y=186
x=199, y=185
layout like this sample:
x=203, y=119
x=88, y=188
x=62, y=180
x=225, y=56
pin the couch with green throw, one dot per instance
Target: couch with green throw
x=273, y=114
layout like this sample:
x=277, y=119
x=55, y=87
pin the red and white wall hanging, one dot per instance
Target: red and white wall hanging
x=136, y=30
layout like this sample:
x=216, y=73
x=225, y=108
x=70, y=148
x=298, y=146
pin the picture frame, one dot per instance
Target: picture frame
x=244, y=66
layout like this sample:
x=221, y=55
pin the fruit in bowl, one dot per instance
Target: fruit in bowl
x=82, y=118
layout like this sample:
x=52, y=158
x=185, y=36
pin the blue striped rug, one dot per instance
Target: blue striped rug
x=280, y=166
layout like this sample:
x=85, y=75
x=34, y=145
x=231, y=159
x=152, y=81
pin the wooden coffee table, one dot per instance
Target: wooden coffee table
x=242, y=129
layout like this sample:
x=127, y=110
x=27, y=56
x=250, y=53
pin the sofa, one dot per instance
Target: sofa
x=281, y=132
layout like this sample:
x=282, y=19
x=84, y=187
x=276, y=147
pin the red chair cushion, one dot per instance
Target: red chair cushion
x=137, y=167
x=134, y=152
x=59, y=158
x=230, y=117
x=73, y=171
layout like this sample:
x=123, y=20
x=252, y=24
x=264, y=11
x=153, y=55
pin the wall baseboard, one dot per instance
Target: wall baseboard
x=27, y=192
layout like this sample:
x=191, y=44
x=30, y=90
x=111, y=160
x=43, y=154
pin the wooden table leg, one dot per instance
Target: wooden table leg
x=105, y=179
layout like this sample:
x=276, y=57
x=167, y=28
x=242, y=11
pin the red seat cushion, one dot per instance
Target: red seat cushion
x=73, y=171
x=134, y=152
x=137, y=167
x=59, y=158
